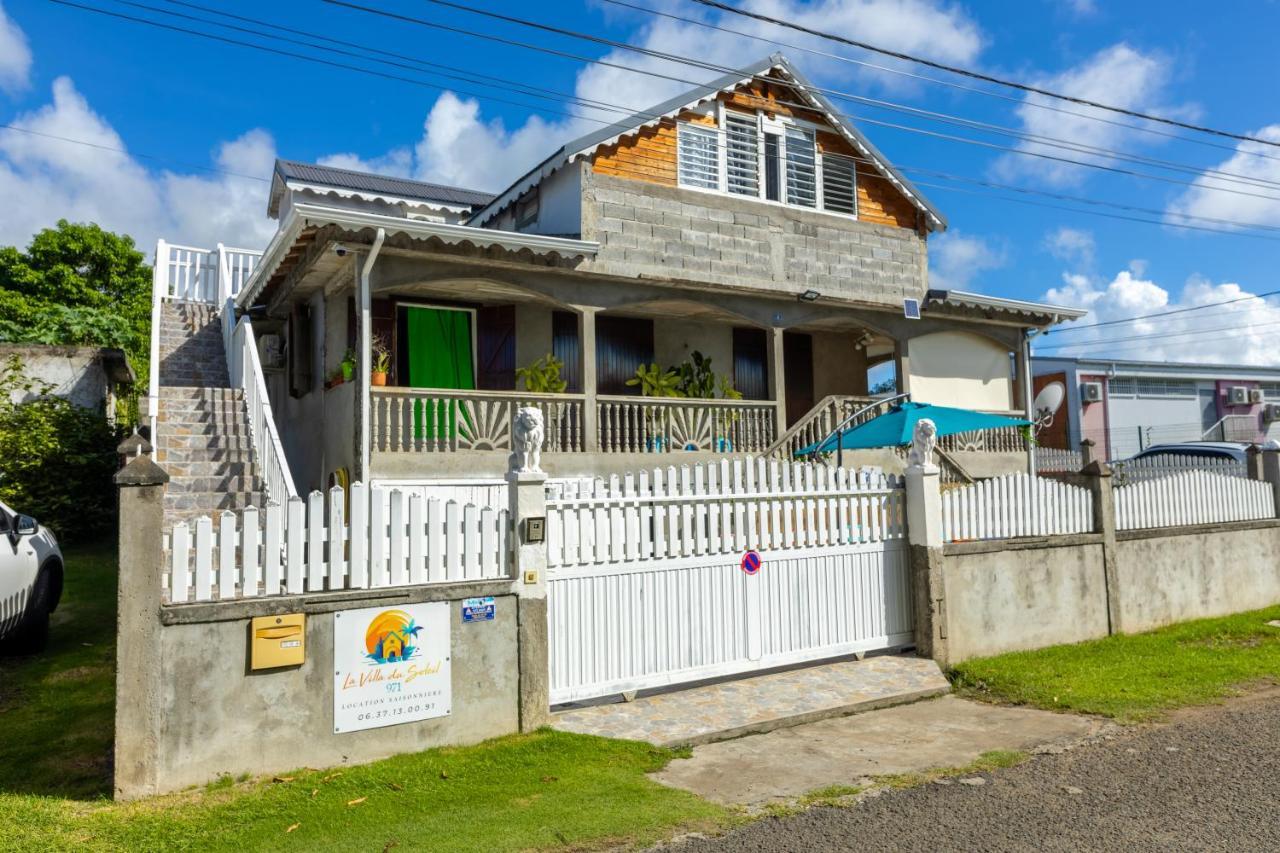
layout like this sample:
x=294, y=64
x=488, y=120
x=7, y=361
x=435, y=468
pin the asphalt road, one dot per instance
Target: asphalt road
x=1209, y=779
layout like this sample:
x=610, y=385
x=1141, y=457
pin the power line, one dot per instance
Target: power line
x=1025, y=87
x=115, y=150
x=1155, y=131
x=1162, y=335
x=1163, y=313
x=936, y=116
x=945, y=176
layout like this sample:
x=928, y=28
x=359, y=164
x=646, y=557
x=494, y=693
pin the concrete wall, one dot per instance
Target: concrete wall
x=672, y=233
x=675, y=340
x=218, y=717
x=839, y=367
x=1003, y=598
x=76, y=373
x=1192, y=573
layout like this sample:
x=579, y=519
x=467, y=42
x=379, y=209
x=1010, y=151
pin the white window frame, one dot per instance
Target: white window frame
x=765, y=124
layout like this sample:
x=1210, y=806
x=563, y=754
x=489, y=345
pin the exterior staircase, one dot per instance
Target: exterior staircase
x=202, y=429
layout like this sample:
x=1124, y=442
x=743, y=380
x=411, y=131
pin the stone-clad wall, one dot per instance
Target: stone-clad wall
x=666, y=232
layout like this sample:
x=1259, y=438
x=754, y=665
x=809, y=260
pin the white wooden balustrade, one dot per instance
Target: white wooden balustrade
x=1192, y=497
x=245, y=371
x=381, y=538
x=1013, y=506
x=721, y=507
x=192, y=274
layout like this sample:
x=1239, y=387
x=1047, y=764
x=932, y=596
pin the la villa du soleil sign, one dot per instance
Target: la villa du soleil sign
x=391, y=666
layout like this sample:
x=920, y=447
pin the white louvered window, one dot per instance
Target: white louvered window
x=699, y=156
x=742, y=154
x=802, y=169
x=839, y=184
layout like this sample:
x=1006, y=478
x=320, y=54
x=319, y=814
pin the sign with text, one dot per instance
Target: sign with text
x=478, y=609
x=391, y=666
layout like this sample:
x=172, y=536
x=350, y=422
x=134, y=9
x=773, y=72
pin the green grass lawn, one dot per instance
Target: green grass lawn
x=546, y=789
x=1134, y=677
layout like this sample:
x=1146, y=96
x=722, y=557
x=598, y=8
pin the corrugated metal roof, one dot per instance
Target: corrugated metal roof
x=585, y=144
x=311, y=173
x=980, y=301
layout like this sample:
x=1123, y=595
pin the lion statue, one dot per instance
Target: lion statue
x=526, y=441
x=923, y=441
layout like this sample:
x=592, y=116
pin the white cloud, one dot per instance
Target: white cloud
x=956, y=259
x=1243, y=332
x=15, y=55
x=1218, y=199
x=1121, y=76
x=1082, y=8
x=1073, y=245
x=104, y=184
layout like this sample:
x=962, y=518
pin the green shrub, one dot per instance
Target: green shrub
x=56, y=458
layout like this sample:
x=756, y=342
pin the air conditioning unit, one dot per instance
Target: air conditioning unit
x=1238, y=395
x=1271, y=412
x=1091, y=392
x=1256, y=395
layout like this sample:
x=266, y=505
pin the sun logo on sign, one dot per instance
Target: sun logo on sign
x=391, y=637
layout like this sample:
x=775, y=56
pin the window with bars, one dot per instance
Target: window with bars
x=742, y=154
x=699, y=156
x=839, y=184
x=802, y=168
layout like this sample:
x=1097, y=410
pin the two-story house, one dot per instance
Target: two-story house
x=746, y=220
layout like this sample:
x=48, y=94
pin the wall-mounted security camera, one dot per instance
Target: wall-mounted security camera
x=340, y=250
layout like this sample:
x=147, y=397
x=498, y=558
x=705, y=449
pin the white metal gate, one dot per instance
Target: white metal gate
x=647, y=586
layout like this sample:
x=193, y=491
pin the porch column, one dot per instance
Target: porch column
x=778, y=378
x=902, y=365
x=1023, y=362
x=590, y=413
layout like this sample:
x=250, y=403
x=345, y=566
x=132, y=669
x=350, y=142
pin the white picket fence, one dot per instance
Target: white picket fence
x=1156, y=467
x=1015, y=505
x=381, y=538
x=1192, y=497
x=719, y=508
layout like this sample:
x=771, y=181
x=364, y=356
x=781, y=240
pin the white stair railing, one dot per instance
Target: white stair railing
x=245, y=370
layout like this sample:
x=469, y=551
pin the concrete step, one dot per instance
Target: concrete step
x=205, y=443
x=180, y=506
x=729, y=709
x=214, y=486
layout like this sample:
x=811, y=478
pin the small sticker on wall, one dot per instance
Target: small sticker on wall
x=478, y=609
x=751, y=562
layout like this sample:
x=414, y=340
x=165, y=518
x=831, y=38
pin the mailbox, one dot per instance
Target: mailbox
x=535, y=529
x=276, y=641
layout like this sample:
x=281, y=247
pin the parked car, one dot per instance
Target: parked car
x=1227, y=450
x=30, y=580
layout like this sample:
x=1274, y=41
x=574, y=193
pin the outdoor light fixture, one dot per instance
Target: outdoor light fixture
x=810, y=296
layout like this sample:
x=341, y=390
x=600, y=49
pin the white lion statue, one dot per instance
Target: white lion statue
x=526, y=440
x=923, y=441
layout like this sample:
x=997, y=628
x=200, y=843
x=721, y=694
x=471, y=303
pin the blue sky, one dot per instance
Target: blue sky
x=193, y=104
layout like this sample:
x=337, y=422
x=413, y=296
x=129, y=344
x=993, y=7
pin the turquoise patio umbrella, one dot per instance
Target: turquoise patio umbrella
x=897, y=426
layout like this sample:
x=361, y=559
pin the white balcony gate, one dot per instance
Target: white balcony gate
x=646, y=586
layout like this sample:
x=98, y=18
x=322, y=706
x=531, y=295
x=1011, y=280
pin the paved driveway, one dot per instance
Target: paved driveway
x=1208, y=780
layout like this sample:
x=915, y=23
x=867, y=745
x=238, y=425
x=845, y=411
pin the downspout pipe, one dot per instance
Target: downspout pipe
x=1028, y=404
x=366, y=351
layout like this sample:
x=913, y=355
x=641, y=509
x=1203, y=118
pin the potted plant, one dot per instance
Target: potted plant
x=348, y=366
x=543, y=376
x=381, y=361
x=654, y=381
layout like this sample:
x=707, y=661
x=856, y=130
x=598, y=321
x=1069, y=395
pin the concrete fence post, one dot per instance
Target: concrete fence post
x=1271, y=473
x=138, y=684
x=528, y=503
x=1253, y=455
x=1098, y=478
x=924, y=537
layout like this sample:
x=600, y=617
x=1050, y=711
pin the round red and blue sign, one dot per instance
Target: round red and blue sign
x=751, y=562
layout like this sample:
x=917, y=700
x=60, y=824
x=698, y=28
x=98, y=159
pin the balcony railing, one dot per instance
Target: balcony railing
x=202, y=275
x=662, y=425
x=423, y=420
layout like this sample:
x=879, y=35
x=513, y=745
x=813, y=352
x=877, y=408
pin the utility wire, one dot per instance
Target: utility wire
x=674, y=58
x=1020, y=101
x=1161, y=336
x=976, y=75
x=598, y=104
x=1163, y=313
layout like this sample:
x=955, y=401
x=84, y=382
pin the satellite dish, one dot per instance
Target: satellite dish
x=1047, y=403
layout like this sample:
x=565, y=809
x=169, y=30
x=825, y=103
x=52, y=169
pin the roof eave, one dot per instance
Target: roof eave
x=965, y=299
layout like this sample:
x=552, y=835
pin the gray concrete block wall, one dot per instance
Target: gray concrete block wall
x=667, y=232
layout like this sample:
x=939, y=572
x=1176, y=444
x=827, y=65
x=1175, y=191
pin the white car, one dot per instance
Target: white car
x=30, y=580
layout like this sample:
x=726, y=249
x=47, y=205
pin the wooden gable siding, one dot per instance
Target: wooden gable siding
x=649, y=155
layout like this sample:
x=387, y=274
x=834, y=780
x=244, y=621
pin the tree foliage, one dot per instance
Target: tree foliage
x=77, y=284
x=56, y=458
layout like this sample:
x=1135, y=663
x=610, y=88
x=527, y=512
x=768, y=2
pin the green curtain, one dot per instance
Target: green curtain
x=440, y=356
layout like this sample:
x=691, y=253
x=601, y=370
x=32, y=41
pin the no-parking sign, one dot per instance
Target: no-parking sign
x=751, y=562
